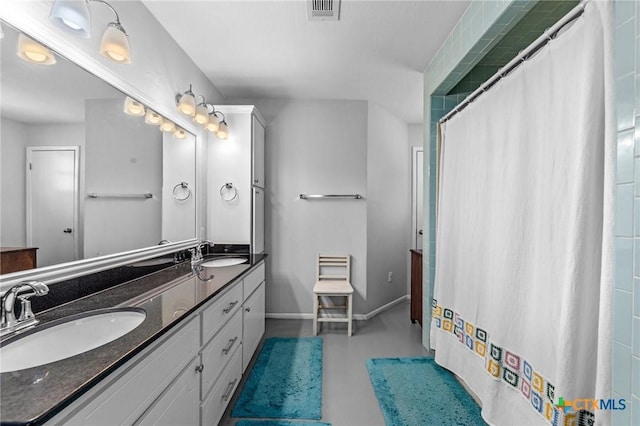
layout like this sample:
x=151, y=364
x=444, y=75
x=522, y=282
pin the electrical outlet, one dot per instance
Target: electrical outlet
x=390, y=279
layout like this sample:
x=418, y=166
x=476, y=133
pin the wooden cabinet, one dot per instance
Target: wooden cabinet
x=236, y=180
x=14, y=259
x=416, y=286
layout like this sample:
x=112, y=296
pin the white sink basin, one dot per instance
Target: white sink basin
x=225, y=261
x=68, y=337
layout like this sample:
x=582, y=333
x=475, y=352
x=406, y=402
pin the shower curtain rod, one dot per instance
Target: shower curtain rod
x=525, y=54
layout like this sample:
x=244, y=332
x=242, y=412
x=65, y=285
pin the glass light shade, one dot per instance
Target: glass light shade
x=213, y=124
x=72, y=16
x=167, y=126
x=223, y=131
x=202, y=115
x=115, y=44
x=32, y=51
x=187, y=104
x=133, y=107
x=179, y=133
x=153, y=118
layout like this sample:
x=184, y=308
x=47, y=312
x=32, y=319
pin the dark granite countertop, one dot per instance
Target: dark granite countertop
x=34, y=395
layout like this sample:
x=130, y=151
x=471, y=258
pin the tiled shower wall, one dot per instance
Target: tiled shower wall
x=626, y=311
x=482, y=26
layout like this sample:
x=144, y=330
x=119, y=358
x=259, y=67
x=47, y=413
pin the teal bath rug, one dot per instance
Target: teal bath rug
x=279, y=423
x=417, y=391
x=285, y=382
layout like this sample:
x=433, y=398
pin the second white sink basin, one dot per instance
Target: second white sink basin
x=225, y=261
x=68, y=337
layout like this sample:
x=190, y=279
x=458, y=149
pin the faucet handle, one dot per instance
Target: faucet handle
x=25, y=308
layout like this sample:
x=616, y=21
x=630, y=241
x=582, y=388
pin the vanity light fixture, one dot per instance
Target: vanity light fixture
x=214, y=122
x=167, y=126
x=73, y=16
x=179, y=133
x=32, y=51
x=153, y=118
x=133, y=107
x=202, y=113
x=223, y=130
x=186, y=103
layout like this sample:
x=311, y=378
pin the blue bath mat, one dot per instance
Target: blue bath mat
x=285, y=382
x=417, y=391
x=279, y=423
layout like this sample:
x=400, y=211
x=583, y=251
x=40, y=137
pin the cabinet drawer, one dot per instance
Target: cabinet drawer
x=216, y=315
x=218, y=352
x=213, y=407
x=253, y=280
x=128, y=396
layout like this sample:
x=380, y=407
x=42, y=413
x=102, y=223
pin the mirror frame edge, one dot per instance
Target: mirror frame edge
x=69, y=270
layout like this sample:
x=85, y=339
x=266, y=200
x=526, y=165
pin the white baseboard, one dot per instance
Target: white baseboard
x=357, y=317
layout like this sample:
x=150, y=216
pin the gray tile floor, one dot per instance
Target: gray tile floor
x=347, y=394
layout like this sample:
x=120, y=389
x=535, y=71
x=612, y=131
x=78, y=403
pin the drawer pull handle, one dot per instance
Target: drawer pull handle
x=231, y=343
x=199, y=368
x=230, y=307
x=227, y=393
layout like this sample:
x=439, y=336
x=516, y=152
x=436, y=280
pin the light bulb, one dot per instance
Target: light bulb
x=179, y=133
x=213, y=124
x=32, y=51
x=167, y=126
x=223, y=131
x=152, y=117
x=72, y=16
x=115, y=44
x=133, y=107
x=201, y=115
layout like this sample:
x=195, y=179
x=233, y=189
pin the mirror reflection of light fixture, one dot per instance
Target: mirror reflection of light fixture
x=167, y=126
x=73, y=16
x=153, y=118
x=32, y=51
x=186, y=103
x=179, y=133
x=133, y=107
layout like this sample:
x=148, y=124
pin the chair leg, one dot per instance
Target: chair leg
x=315, y=314
x=349, y=314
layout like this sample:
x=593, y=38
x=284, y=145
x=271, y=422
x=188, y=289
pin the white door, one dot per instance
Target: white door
x=418, y=197
x=52, y=203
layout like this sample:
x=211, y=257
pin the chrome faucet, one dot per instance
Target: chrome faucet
x=23, y=292
x=196, y=260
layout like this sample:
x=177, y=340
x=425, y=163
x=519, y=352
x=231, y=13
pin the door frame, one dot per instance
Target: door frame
x=414, y=195
x=76, y=189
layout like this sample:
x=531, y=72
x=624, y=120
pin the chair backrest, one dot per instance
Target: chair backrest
x=331, y=267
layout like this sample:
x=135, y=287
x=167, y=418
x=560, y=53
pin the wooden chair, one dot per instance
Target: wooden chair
x=333, y=278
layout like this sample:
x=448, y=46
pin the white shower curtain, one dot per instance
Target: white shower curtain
x=524, y=258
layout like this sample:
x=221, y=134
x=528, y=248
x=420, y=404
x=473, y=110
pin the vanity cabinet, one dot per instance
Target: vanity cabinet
x=189, y=376
x=236, y=179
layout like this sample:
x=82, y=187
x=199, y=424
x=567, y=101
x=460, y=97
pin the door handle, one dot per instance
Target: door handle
x=67, y=230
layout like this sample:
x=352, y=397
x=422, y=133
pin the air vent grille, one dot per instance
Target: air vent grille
x=323, y=10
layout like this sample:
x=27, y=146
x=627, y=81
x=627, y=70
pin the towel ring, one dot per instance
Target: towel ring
x=181, y=191
x=228, y=192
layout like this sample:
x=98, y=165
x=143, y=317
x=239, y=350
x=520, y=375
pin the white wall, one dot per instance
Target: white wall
x=388, y=207
x=16, y=137
x=313, y=147
x=123, y=156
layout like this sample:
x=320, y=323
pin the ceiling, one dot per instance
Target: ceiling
x=376, y=52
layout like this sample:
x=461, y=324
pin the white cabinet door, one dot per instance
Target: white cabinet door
x=253, y=324
x=257, y=237
x=213, y=407
x=180, y=403
x=258, y=152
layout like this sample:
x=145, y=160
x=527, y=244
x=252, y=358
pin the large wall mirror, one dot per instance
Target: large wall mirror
x=86, y=171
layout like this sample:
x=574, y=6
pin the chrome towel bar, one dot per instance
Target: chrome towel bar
x=308, y=196
x=106, y=195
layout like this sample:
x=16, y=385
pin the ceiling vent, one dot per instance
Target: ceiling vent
x=323, y=10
